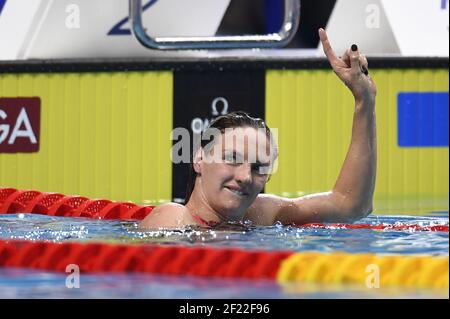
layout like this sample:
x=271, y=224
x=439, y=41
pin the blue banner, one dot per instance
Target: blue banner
x=422, y=119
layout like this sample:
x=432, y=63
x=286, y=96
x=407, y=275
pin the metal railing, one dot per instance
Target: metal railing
x=275, y=40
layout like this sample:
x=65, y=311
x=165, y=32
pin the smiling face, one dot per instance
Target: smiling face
x=234, y=170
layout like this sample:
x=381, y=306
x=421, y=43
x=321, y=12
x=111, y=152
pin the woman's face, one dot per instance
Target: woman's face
x=235, y=169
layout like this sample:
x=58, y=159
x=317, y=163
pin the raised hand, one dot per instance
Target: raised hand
x=353, y=69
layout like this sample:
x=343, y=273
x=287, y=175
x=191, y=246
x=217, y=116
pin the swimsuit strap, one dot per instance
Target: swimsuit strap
x=203, y=222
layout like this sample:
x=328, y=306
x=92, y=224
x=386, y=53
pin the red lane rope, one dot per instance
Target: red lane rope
x=13, y=201
x=170, y=260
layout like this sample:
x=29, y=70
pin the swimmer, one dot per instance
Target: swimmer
x=226, y=182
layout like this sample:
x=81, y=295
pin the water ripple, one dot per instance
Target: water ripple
x=243, y=235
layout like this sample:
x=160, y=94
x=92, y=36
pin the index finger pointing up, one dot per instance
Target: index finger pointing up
x=327, y=49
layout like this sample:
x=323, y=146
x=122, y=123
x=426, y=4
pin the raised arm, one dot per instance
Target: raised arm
x=352, y=195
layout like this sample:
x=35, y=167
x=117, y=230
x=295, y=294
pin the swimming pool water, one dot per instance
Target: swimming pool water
x=25, y=283
x=277, y=237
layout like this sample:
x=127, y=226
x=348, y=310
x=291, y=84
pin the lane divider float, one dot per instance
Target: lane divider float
x=13, y=201
x=283, y=266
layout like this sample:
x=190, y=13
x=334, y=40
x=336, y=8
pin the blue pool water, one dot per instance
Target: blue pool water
x=25, y=283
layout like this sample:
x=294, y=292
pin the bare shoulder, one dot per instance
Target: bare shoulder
x=265, y=209
x=168, y=215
